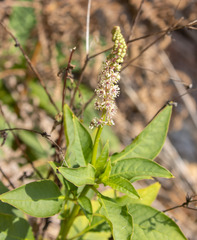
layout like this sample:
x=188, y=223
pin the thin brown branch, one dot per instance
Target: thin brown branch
x=87, y=54
x=190, y=25
x=65, y=76
x=43, y=134
x=136, y=19
x=66, y=73
x=143, y=50
x=34, y=70
x=79, y=82
x=86, y=104
x=7, y=178
x=184, y=205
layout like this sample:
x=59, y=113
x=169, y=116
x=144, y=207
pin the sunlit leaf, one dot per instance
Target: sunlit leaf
x=118, y=217
x=123, y=185
x=135, y=167
x=38, y=199
x=150, y=224
x=79, y=176
x=150, y=141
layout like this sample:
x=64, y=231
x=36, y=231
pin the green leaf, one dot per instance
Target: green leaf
x=151, y=224
x=150, y=141
x=78, y=140
x=147, y=196
x=123, y=185
x=120, y=220
x=38, y=199
x=6, y=208
x=13, y=228
x=67, y=186
x=104, y=176
x=129, y=168
x=86, y=206
x=79, y=176
x=102, y=159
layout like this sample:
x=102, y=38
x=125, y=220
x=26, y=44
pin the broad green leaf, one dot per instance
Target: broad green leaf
x=123, y=185
x=102, y=159
x=79, y=176
x=120, y=220
x=78, y=139
x=104, y=176
x=151, y=224
x=129, y=168
x=6, y=208
x=86, y=206
x=147, y=196
x=150, y=141
x=38, y=199
x=13, y=228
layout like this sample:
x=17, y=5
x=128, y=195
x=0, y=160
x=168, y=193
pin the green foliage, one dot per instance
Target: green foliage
x=79, y=141
x=150, y=224
x=147, y=196
x=38, y=199
x=123, y=185
x=135, y=167
x=102, y=159
x=149, y=142
x=86, y=206
x=79, y=176
x=120, y=220
x=13, y=228
x=129, y=216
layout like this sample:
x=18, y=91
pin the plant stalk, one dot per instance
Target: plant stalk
x=96, y=143
x=67, y=223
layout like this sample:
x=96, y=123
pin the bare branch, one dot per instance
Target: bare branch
x=7, y=178
x=189, y=199
x=136, y=20
x=43, y=134
x=65, y=75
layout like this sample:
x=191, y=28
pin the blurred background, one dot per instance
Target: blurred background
x=161, y=65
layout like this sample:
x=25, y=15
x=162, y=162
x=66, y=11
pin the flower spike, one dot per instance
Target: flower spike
x=107, y=89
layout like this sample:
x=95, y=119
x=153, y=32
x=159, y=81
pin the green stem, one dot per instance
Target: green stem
x=67, y=223
x=96, y=143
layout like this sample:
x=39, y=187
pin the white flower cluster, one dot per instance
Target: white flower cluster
x=107, y=89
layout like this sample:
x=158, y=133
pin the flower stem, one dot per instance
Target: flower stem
x=96, y=143
x=67, y=223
